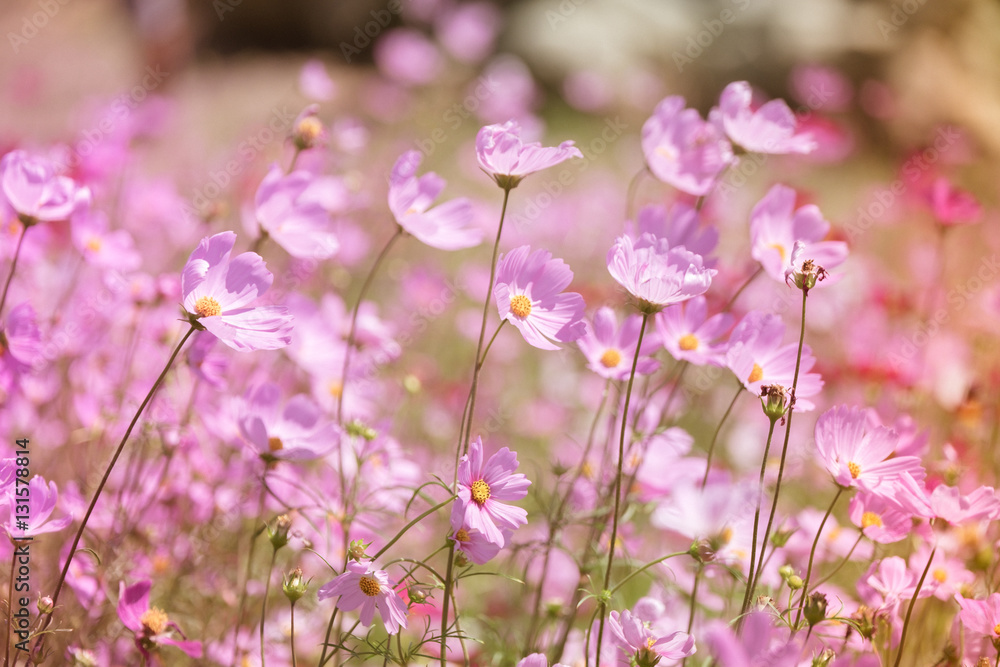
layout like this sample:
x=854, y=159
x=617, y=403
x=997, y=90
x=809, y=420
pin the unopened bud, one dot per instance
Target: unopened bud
x=865, y=621
x=461, y=560
x=45, y=605
x=279, y=534
x=356, y=550
x=795, y=582
x=786, y=571
x=358, y=429
x=764, y=601
x=774, y=400
x=308, y=130
x=780, y=538
x=294, y=586
x=815, y=609
x=824, y=658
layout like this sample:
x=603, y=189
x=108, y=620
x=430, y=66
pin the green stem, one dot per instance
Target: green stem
x=618, y=481
x=784, y=446
x=633, y=188
x=291, y=639
x=812, y=554
x=745, y=284
x=13, y=266
x=909, y=609
x=111, y=466
x=246, y=574
x=843, y=561
x=715, y=436
x=354, y=319
x=444, y=606
x=411, y=525
x=263, y=604
x=751, y=580
x=644, y=568
x=470, y=403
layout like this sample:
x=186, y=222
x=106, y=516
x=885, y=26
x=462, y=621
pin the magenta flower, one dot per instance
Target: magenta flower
x=857, y=454
x=150, y=625
x=361, y=585
x=758, y=358
x=981, y=617
x=20, y=343
x=640, y=646
x=507, y=160
x=944, y=502
x=217, y=291
x=29, y=507
x=475, y=546
x=770, y=129
x=529, y=295
x=290, y=209
x=35, y=190
x=952, y=206
x=688, y=335
x=298, y=432
x=776, y=227
x=879, y=519
x=680, y=225
x=484, y=490
x=683, y=150
x=99, y=245
x=760, y=643
x=610, y=349
x=446, y=227
x=656, y=274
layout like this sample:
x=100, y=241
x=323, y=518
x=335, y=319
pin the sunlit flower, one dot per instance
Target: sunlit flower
x=362, y=585
x=507, y=160
x=447, y=226
x=656, y=274
x=610, y=349
x=640, y=646
x=484, y=491
x=150, y=625
x=683, y=150
x=772, y=128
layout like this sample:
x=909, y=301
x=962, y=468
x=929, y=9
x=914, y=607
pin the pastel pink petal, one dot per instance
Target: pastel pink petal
x=477, y=518
x=530, y=332
x=508, y=515
x=604, y=324
x=261, y=328
x=209, y=257
x=133, y=602
x=192, y=648
x=563, y=320
x=247, y=279
x=301, y=411
x=499, y=466
x=512, y=488
x=367, y=613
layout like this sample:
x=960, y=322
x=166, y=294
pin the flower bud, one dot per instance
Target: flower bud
x=795, y=582
x=815, y=609
x=356, y=550
x=358, y=429
x=461, y=560
x=865, y=621
x=824, y=658
x=294, y=586
x=786, y=571
x=308, y=130
x=45, y=605
x=774, y=400
x=279, y=534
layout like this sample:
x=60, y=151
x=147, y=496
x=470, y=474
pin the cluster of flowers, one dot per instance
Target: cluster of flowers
x=210, y=465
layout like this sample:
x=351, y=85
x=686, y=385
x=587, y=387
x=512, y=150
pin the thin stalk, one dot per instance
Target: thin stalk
x=111, y=466
x=263, y=604
x=354, y=319
x=812, y=553
x=246, y=574
x=411, y=525
x=644, y=568
x=633, y=188
x=618, y=480
x=13, y=266
x=470, y=403
x=909, y=609
x=291, y=639
x=482, y=328
x=751, y=582
x=784, y=446
x=694, y=598
x=715, y=436
x=843, y=561
x=745, y=284
x=326, y=640
x=448, y=585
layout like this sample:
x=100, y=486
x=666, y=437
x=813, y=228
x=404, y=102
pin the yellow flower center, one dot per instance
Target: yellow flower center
x=309, y=128
x=94, y=244
x=587, y=470
x=688, y=342
x=650, y=641
x=996, y=629
x=667, y=152
x=335, y=388
x=870, y=519
x=480, y=491
x=369, y=586
x=275, y=444
x=755, y=374
x=611, y=358
x=462, y=535
x=781, y=250
x=207, y=307
x=154, y=620
x=520, y=305
x=854, y=469
x=940, y=575
x=726, y=536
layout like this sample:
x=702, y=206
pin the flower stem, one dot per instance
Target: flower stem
x=291, y=639
x=618, y=482
x=745, y=284
x=715, y=436
x=751, y=579
x=909, y=609
x=784, y=446
x=263, y=604
x=246, y=576
x=812, y=554
x=354, y=319
x=844, y=561
x=13, y=266
x=482, y=331
x=633, y=188
x=114, y=459
x=466, y=430
x=412, y=524
x=644, y=568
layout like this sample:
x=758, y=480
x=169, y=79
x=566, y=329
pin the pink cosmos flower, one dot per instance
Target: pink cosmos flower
x=757, y=357
x=361, y=585
x=880, y=520
x=947, y=576
x=475, y=546
x=296, y=433
x=484, y=490
x=537, y=660
x=408, y=57
x=529, y=295
x=20, y=343
x=290, y=209
x=776, y=227
x=952, y=206
x=217, y=291
x=37, y=505
x=683, y=150
x=35, y=190
x=887, y=584
x=760, y=643
x=656, y=274
x=680, y=225
x=507, y=160
x=944, y=502
x=314, y=82
x=688, y=335
x=769, y=129
x=99, y=245
x=610, y=350
x=446, y=227
x=981, y=617
x=857, y=455
x=150, y=625
x=640, y=646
